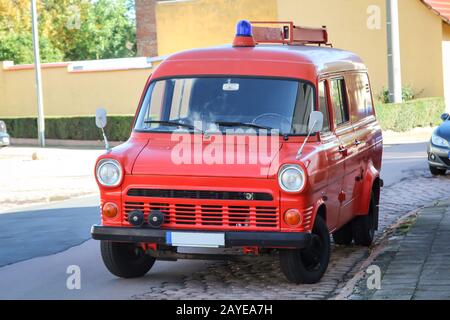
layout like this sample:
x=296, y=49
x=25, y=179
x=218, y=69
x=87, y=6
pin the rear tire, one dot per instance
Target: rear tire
x=308, y=265
x=344, y=235
x=125, y=260
x=364, y=226
x=437, y=172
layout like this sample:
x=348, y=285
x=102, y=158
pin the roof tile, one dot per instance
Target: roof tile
x=440, y=7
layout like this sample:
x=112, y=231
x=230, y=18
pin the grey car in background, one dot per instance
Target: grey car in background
x=4, y=136
x=439, y=148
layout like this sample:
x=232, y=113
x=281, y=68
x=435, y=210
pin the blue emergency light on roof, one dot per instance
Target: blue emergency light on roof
x=244, y=29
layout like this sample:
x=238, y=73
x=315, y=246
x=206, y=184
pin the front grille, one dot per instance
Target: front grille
x=446, y=160
x=210, y=215
x=199, y=194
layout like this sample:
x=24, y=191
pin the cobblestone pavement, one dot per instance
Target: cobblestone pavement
x=261, y=278
x=415, y=264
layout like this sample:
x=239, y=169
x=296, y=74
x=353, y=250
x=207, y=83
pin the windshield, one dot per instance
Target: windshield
x=210, y=104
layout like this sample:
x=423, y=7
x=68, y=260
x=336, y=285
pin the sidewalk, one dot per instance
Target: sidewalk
x=34, y=175
x=416, y=266
x=413, y=136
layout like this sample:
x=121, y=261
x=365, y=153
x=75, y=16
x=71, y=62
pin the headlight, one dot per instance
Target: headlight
x=109, y=172
x=439, y=141
x=291, y=178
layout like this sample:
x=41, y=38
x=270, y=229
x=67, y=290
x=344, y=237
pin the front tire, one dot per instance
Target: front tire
x=308, y=265
x=125, y=260
x=437, y=172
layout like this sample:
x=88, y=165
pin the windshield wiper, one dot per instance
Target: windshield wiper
x=241, y=124
x=174, y=124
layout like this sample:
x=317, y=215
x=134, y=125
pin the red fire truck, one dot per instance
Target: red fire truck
x=268, y=145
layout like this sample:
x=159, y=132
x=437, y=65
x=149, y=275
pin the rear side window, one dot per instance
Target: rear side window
x=340, y=104
x=323, y=106
x=367, y=94
x=359, y=95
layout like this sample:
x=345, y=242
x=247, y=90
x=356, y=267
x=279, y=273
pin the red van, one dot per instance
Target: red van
x=268, y=145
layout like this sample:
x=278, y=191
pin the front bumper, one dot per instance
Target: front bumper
x=232, y=238
x=438, y=156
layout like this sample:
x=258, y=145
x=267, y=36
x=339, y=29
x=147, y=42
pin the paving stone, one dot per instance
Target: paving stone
x=429, y=277
x=393, y=294
x=432, y=295
x=433, y=282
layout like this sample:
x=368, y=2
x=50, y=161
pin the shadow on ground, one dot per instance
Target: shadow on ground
x=29, y=234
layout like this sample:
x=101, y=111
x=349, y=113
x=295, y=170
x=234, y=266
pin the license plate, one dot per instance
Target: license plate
x=6, y=140
x=195, y=239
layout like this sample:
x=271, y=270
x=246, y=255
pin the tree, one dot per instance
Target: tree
x=106, y=31
x=14, y=15
x=15, y=34
x=69, y=30
x=19, y=48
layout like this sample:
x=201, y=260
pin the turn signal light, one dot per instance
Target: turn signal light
x=110, y=210
x=292, y=217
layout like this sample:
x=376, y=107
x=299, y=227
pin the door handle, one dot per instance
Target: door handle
x=343, y=151
x=357, y=142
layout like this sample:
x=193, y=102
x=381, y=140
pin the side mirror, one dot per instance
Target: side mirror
x=100, y=118
x=445, y=116
x=315, y=122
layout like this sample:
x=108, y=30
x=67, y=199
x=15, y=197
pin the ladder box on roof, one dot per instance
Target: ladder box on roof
x=288, y=33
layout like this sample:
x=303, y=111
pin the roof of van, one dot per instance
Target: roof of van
x=322, y=59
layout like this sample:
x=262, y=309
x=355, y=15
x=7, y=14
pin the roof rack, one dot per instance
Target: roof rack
x=287, y=33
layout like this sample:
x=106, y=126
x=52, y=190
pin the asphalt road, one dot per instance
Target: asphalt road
x=38, y=244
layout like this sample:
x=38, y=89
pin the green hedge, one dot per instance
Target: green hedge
x=397, y=117
x=73, y=128
x=405, y=116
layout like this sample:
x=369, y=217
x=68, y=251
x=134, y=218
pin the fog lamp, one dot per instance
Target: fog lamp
x=292, y=217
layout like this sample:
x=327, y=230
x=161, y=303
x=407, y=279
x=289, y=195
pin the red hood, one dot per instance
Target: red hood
x=192, y=157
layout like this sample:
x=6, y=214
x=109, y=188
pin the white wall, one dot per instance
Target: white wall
x=446, y=72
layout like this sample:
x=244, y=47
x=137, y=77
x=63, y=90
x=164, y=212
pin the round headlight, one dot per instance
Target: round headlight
x=109, y=172
x=291, y=178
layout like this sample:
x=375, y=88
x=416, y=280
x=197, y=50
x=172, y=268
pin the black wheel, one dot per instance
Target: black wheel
x=437, y=172
x=364, y=226
x=344, y=235
x=125, y=260
x=308, y=265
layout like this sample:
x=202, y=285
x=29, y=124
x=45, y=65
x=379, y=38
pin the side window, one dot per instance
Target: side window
x=340, y=104
x=360, y=97
x=367, y=95
x=323, y=106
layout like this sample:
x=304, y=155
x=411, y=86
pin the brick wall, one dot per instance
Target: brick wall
x=147, y=45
